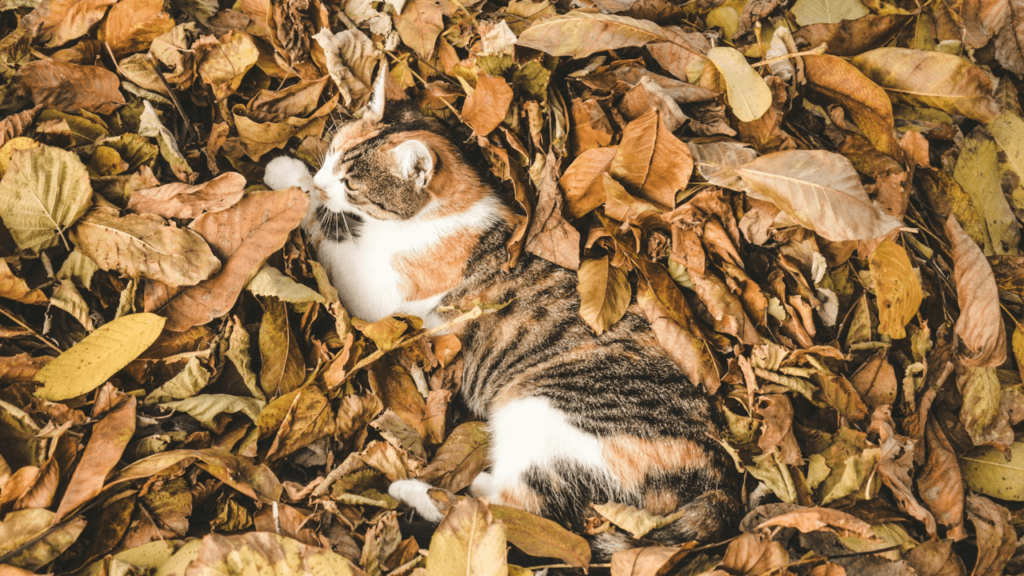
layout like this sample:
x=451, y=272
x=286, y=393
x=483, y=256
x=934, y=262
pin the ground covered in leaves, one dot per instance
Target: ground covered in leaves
x=816, y=203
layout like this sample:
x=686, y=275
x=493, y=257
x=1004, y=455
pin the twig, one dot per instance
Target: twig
x=566, y=566
x=38, y=336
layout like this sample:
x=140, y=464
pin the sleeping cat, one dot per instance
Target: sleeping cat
x=403, y=224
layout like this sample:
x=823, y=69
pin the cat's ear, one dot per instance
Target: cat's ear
x=374, y=109
x=414, y=161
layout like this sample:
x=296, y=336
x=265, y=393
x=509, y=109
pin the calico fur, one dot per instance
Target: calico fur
x=575, y=418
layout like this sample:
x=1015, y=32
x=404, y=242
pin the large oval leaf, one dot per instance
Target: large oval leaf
x=931, y=79
x=604, y=293
x=580, y=34
x=820, y=190
x=988, y=472
x=44, y=191
x=896, y=285
x=145, y=245
x=99, y=356
x=749, y=95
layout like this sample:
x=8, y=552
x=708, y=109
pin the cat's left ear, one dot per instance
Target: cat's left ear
x=414, y=161
x=374, y=109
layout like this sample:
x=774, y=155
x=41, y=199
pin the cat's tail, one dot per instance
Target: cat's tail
x=708, y=518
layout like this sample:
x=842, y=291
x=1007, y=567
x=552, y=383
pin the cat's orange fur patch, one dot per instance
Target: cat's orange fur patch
x=436, y=269
x=351, y=135
x=661, y=502
x=630, y=459
x=454, y=185
x=519, y=496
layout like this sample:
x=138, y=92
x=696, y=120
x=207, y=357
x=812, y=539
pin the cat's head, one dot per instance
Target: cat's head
x=392, y=163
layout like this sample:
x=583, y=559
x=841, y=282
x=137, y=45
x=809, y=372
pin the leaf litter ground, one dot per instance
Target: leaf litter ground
x=816, y=204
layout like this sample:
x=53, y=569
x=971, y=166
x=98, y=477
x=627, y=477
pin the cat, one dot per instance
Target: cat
x=403, y=224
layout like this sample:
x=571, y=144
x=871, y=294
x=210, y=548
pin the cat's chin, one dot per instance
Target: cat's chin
x=338, y=226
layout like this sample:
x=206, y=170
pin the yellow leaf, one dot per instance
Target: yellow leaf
x=98, y=356
x=897, y=287
x=988, y=472
x=749, y=95
x=580, y=34
x=468, y=542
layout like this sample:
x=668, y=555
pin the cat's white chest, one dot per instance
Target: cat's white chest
x=362, y=271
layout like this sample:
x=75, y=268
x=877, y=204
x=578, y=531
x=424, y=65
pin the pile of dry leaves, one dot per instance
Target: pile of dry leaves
x=816, y=203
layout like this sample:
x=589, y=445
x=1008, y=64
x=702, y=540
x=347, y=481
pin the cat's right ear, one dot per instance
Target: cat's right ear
x=374, y=109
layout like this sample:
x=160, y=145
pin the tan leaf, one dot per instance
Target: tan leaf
x=225, y=60
x=183, y=201
x=45, y=190
x=132, y=25
x=983, y=414
x=541, y=537
x=264, y=553
x=419, y=25
x=581, y=184
x=241, y=236
x=283, y=367
x=69, y=87
x=648, y=561
x=468, y=541
x=683, y=52
x=977, y=171
x=351, y=57
x=460, y=459
x=109, y=438
x=896, y=286
x=309, y=418
x=590, y=127
x=754, y=554
x=687, y=349
x=550, y=236
x=486, y=107
x=258, y=138
x=65, y=20
x=28, y=535
x=980, y=325
x=988, y=472
x=820, y=190
x=580, y=34
x=604, y=293
x=650, y=162
x=996, y=538
x=875, y=381
x=865, y=101
x=811, y=519
x=931, y=79
x=144, y=245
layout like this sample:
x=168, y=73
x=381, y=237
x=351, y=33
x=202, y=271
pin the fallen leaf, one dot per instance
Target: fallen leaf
x=980, y=325
x=468, y=541
x=809, y=12
x=550, y=236
x=977, y=171
x=580, y=34
x=462, y=456
x=604, y=293
x=997, y=540
x=44, y=191
x=419, y=25
x=309, y=418
x=144, y=246
x=581, y=184
x=486, y=107
x=109, y=438
x=283, y=367
x=264, y=553
x=65, y=20
x=132, y=25
x=811, y=519
x=69, y=87
x=542, y=538
x=29, y=530
x=89, y=364
x=225, y=61
x=987, y=471
x=748, y=95
x=896, y=286
x=647, y=561
x=15, y=288
x=180, y=200
x=242, y=237
x=931, y=79
x=982, y=413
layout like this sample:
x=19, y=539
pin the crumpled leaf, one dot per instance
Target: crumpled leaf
x=809, y=12
x=207, y=407
x=69, y=87
x=20, y=527
x=151, y=127
x=580, y=34
x=132, y=25
x=458, y=461
x=980, y=325
x=179, y=200
x=897, y=287
x=269, y=281
x=351, y=57
x=44, y=191
x=144, y=245
x=819, y=189
x=982, y=414
x=15, y=288
x=88, y=364
x=997, y=540
x=65, y=20
x=485, y=108
x=225, y=60
x=185, y=384
x=812, y=519
x=541, y=537
x=283, y=367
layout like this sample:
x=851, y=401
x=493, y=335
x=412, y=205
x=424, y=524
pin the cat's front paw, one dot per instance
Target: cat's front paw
x=284, y=172
x=413, y=493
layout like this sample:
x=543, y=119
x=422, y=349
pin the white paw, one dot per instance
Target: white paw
x=413, y=493
x=284, y=172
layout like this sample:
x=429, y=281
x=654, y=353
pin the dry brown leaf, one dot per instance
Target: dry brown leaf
x=550, y=236
x=604, y=293
x=997, y=540
x=65, y=20
x=283, y=368
x=486, y=107
x=109, y=438
x=243, y=236
x=980, y=325
x=687, y=349
x=683, y=51
x=16, y=289
x=648, y=561
x=812, y=519
x=896, y=286
x=419, y=25
x=590, y=127
x=940, y=483
x=132, y=25
x=579, y=34
x=144, y=246
x=180, y=200
x=69, y=87
x=581, y=184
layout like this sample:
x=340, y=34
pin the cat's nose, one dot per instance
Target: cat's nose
x=321, y=180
